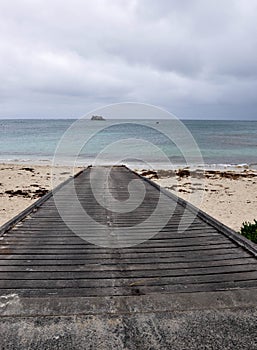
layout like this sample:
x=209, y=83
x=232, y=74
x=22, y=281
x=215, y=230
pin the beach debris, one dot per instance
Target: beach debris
x=150, y=174
x=183, y=190
x=229, y=174
x=23, y=193
x=39, y=192
x=183, y=172
x=28, y=169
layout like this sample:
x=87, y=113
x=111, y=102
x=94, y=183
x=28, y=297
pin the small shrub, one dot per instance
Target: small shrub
x=249, y=231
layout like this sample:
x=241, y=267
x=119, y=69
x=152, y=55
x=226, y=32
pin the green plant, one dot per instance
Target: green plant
x=249, y=231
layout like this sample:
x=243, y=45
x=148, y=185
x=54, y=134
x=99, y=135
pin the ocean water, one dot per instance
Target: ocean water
x=138, y=143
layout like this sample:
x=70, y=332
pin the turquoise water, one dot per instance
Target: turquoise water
x=132, y=142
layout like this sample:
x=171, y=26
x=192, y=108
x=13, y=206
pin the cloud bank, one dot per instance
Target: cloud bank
x=197, y=59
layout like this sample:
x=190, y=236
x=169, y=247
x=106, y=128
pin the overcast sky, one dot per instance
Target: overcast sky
x=195, y=58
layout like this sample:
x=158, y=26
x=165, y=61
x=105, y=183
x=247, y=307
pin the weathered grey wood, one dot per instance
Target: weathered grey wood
x=37, y=261
x=77, y=291
x=108, y=274
x=46, y=270
x=73, y=266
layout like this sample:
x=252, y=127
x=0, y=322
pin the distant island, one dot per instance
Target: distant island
x=97, y=117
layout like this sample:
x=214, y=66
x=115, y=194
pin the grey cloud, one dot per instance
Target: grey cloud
x=196, y=58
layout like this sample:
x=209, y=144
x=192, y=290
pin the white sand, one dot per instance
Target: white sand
x=33, y=183
x=230, y=200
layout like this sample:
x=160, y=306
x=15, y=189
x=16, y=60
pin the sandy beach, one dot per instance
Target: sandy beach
x=229, y=196
x=21, y=185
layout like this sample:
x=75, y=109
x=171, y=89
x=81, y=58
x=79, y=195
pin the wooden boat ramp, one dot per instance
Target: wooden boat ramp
x=80, y=274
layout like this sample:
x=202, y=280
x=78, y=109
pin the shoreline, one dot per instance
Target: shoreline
x=133, y=165
x=230, y=196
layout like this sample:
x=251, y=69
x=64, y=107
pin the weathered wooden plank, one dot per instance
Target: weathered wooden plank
x=66, y=244
x=150, y=254
x=159, y=272
x=136, y=290
x=82, y=266
x=117, y=282
x=36, y=261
